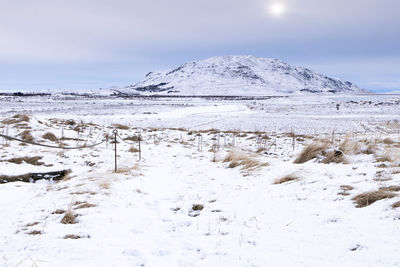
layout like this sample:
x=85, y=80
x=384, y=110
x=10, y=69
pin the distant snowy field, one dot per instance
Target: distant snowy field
x=302, y=114
x=217, y=184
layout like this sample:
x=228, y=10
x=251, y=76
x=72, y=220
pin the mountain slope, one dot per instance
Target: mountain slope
x=238, y=76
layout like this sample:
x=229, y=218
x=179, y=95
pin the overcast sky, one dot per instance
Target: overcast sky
x=87, y=44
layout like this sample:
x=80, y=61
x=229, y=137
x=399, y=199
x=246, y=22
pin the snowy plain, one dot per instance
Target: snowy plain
x=184, y=203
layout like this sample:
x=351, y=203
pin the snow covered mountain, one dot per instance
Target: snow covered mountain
x=239, y=76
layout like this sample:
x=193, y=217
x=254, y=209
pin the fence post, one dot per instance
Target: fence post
x=115, y=148
x=140, y=150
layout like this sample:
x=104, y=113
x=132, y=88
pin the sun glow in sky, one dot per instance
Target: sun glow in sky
x=277, y=9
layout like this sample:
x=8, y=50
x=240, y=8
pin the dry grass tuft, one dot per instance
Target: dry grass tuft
x=310, y=152
x=388, y=141
x=85, y=206
x=396, y=205
x=239, y=159
x=287, y=178
x=50, y=136
x=385, y=157
x=69, y=218
x=335, y=156
x=197, y=207
x=133, y=138
x=345, y=190
x=367, y=198
x=32, y=224
x=30, y=160
x=26, y=136
x=105, y=185
x=120, y=126
x=392, y=188
x=35, y=232
x=133, y=149
x=16, y=119
x=346, y=187
x=58, y=211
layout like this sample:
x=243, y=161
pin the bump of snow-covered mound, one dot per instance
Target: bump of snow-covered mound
x=239, y=76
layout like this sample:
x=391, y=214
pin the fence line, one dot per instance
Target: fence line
x=49, y=146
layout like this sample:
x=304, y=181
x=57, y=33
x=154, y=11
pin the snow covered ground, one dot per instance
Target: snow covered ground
x=202, y=197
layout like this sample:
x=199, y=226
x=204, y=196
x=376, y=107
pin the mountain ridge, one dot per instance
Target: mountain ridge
x=241, y=76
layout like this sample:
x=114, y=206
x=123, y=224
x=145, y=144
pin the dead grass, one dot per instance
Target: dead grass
x=133, y=149
x=367, y=198
x=392, y=188
x=197, y=207
x=310, y=152
x=105, y=185
x=16, y=119
x=346, y=187
x=120, y=126
x=83, y=193
x=237, y=159
x=287, y=178
x=32, y=224
x=385, y=157
x=396, y=205
x=59, y=211
x=133, y=138
x=50, y=136
x=26, y=136
x=85, y=206
x=35, y=232
x=335, y=156
x=69, y=218
x=388, y=141
x=29, y=160
x=345, y=190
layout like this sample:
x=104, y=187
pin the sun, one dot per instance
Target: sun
x=277, y=9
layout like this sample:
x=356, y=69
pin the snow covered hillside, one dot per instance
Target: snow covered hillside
x=239, y=76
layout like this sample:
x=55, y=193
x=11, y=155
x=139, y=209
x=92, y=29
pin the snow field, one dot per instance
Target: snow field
x=143, y=214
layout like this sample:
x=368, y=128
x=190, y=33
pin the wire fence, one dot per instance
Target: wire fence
x=115, y=139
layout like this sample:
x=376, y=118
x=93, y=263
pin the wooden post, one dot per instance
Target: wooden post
x=115, y=149
x=140, y=150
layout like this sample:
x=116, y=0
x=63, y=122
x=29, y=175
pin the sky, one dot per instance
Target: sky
x=90, y=44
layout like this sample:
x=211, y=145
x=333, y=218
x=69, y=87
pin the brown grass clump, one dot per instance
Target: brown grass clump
x=335, y=156
x=367, y=198
x=239, y=159
x=385, y=157
x=35, y=232
x=69, y=218
x=30, y=160
x=50, y=136
x=26, y=136
x=388, y=141
x=133, y=138
x=197, y=207
x=32, y=224
x=16, y=119
x=133, y=149
x=58, y=211
x=85, y=206
x=310, y=152
x=345, y=189
x=396, y=205
x=392, y=188
x=287, y=178
x=120, y=126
